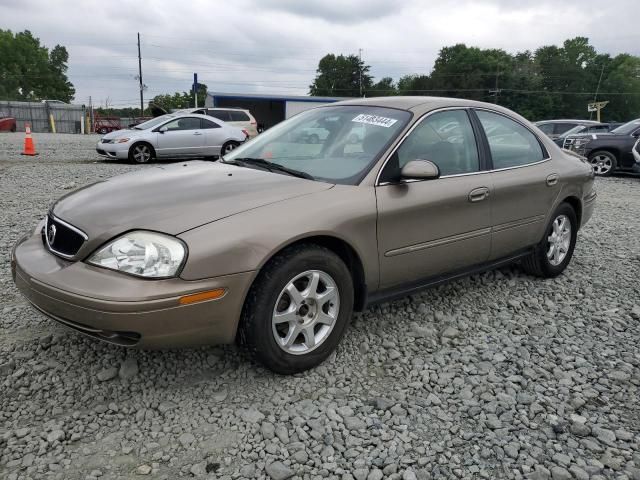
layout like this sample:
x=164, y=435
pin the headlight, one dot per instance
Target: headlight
x=145, y=254
x=579, y=142
x=122, y=140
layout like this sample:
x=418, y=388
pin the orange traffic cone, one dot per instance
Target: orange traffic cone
x=29, y=147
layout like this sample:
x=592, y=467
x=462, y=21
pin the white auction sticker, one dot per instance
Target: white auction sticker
x=375, y=120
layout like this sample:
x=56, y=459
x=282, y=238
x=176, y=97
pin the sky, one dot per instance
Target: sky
x=273, y=46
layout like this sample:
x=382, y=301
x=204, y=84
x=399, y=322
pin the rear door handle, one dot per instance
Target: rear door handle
x=552, y=179
x=478, y=194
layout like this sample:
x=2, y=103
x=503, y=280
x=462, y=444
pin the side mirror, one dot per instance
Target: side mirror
x=419, y=170
x=163, y=129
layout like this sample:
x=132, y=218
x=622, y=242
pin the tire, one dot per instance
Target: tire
x=264, y=335
x=228, y=147
x=103, y=130
x=539, y=262
x=13, y=128
x=603, y=162
x=141, y=153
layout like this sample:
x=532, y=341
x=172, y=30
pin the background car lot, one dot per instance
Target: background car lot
x=493, y=376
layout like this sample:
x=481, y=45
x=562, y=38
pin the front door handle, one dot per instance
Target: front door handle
x=552, y=179
x=478, y=194
x=197, y=133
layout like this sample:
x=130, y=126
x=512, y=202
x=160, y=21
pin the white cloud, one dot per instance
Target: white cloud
x=274, y=45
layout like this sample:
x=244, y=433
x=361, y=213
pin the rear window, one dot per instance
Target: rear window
x=238, y=116
x=220, y=115
x=560, y=128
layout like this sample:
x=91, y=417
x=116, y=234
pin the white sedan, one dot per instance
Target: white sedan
x=172, y=136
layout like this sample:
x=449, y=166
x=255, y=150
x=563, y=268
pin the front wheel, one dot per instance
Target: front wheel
x=140, y=153
x=603, y=162
x=553, y=254
x=297, y=309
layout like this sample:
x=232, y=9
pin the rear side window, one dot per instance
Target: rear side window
x=546, y=128
x=560, y=128
x=511, y=144
x=220, y=115
x=237, y=116
x=208, y=123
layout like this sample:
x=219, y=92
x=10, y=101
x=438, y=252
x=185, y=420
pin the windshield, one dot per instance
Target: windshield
x=627, y=128
x=338, y=144
x=153, y=122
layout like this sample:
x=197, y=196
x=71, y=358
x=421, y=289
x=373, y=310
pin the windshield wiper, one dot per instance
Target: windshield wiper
x=271, y=166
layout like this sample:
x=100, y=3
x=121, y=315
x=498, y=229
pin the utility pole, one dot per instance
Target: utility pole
x=140, y=78
x=496, y=90
x=360, y=69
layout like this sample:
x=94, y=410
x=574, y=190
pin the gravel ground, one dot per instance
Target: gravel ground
x=496, y=376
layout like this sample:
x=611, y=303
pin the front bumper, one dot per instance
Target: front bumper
x=122, y=309
x=117, y=151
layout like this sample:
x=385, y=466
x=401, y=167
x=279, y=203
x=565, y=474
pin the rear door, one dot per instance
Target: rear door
x=214, y=136
x=431, y=227
x=524, y=182
x=182, y=137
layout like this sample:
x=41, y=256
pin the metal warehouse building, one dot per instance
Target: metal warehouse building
x=267, y=109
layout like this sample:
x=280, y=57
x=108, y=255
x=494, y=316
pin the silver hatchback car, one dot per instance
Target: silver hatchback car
x=172, y=136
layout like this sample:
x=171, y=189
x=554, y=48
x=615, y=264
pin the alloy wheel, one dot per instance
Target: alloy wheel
x=601, y=164
x=141, y=153
x=305, y=312
x=559, y=240
x=228, y=147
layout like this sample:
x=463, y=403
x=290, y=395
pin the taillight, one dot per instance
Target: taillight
x=244, y=130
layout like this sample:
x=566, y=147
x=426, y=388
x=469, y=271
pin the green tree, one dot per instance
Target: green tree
x=340, y=76
x=28, y=71
x=179, y=100
x=383, y=88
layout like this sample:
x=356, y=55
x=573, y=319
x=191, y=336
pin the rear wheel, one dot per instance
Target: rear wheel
x=603, y=162
x=297, y=309
x=553, y=254
x=13, y=128
x=103, y=130
x=141, y=153
x=228, y=147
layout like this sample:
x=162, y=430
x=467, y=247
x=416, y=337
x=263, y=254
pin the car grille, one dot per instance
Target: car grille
x=61, y=238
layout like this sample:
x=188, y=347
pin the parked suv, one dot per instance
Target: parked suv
x=554, y=128
x=611, y=151
x=233, y=116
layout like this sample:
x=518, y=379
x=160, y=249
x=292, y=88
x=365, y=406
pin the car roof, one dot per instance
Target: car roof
x=213, y=108
x=571, y=120
x=420, y=104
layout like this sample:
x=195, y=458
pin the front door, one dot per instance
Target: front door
x=433, y=227
x=180, y=137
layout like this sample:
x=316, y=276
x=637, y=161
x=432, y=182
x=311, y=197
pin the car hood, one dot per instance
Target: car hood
x=176, y=198
x=125, y=132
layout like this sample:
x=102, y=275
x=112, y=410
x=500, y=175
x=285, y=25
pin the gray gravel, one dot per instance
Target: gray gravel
x=496, y=376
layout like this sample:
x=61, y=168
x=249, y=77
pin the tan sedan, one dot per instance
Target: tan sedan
x=275, y=245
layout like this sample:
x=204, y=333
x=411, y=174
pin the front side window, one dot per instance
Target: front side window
x=445, y=138
x=184, y=123
x=511, y=144
x=338, y=143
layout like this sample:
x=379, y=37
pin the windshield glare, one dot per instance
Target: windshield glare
x=338, y=144
x=627, y=128
x=153, y=122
